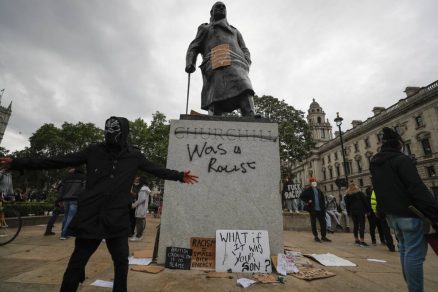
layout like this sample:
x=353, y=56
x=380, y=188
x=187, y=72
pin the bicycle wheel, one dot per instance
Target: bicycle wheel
x=10, y=224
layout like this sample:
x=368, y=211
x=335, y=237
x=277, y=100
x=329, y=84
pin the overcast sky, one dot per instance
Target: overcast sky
x=87, y=60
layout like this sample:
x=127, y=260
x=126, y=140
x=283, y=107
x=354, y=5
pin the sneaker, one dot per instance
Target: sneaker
x=326, y=239
x=330, y=231
x=374, y=242
x=136, y=238
x=357, y=242
x=392, y=248
x=363, y=243
x=62, y=238
x=347, y=229
x=339, y=226
x=317, y=239
x=47, y=233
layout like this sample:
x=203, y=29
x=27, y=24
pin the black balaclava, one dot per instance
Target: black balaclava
x=116, y=133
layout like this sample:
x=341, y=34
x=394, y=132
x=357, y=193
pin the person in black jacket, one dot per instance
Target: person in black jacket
x=103, y=208
x=397, y=186
x=313, y=197
x=357, y=206
x=71, y=187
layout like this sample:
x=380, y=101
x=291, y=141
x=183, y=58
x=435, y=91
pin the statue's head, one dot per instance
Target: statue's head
x=218, y=11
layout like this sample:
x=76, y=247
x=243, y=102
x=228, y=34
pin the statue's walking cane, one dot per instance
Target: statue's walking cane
x=188, y=92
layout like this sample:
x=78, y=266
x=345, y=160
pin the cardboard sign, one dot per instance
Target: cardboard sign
x=245, y=251
x=220, y=56
x=178, y=258
x=203, y=253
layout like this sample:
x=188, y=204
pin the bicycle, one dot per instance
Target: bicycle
x=10, y=223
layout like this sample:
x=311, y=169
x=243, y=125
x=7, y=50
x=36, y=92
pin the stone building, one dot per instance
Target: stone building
x=5, y=113
x=414, y=117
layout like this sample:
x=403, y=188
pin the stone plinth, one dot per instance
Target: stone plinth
x=238, y=164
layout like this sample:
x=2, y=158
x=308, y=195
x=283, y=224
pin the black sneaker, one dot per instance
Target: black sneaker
x=47, y=233
x=392, y=248
x=374, y=242
x=363, y=243
x=326, y=239
x=357, y=242
x=317, y=239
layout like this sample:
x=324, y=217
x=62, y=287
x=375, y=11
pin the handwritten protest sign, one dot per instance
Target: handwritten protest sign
x=203, y=253
x=178, y=258
x=243, y=251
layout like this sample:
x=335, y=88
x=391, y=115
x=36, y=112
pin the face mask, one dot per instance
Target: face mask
x=313, y=184
x=112, y=132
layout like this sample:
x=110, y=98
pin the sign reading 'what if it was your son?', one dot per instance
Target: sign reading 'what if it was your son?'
x=245, y=251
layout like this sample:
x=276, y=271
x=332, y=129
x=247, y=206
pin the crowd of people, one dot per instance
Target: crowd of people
x=334, y=215
x=398, y=200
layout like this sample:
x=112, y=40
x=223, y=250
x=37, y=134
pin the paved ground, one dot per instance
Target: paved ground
x=36, y=263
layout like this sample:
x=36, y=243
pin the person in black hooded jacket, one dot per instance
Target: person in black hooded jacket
x=103, y=208
x=397, y=186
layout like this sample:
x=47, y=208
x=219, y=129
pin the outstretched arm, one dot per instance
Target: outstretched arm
x=74, y=159
x=169, y=174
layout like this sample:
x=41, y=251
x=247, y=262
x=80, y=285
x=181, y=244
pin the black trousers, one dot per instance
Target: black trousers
x=84, y=248
x=386, y=233
x=375, y=222
x=320, y=215
x=55, y=214
x=358, y=224
x=131, y=222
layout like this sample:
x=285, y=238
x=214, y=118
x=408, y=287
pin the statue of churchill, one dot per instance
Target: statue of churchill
x=225, y=65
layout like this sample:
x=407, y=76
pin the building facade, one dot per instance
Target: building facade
x=5, y=113
x=414, y=117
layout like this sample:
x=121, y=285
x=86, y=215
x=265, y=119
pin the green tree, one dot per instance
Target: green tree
x=138, y=133
x=158, y=139
x=50, y=140
x=3, y=151
x=152, y=140
x=294, y=133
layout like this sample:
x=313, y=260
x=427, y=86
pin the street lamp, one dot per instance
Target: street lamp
x=338, y=122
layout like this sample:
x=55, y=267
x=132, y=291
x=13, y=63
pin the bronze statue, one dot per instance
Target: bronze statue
x=225, y=65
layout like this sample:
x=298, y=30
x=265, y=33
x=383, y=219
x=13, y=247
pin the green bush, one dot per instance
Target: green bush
x=36, y=208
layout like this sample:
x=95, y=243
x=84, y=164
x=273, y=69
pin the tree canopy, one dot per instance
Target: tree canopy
x=294, y=132
x=49, y=140
x=153, y=139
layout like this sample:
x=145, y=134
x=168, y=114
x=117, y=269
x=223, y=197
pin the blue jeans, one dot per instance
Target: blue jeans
x=70, y=209
x=413, y=248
